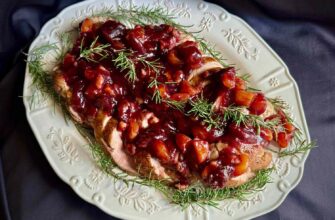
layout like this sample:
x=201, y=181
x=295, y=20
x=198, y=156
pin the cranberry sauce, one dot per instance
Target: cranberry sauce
x=180, y=141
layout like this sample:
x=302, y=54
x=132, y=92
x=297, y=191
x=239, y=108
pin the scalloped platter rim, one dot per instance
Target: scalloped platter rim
x=71, y=160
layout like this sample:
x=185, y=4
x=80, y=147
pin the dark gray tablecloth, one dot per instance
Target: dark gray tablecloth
x=302, y=32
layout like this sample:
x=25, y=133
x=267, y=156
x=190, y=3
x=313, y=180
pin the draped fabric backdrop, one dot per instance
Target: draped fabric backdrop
x=302, y=32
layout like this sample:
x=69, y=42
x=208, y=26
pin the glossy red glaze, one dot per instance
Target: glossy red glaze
x=179, y=141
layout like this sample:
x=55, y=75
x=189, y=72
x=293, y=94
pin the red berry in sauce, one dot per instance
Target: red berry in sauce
x=186, y=87
x=69, y=61
x=266, y=134
x=200, y=132
x=223, y=99
x=245, y=134
x=113, y=32
x=90, y=73
x=283, y=139
x=289, y=127
x=258, y=105
x=173, y=58
x=135, y=39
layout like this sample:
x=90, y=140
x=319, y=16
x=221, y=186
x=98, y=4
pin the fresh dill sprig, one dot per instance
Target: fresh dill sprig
x=201, y=108
x=237, y=114
x=302, y=147
x=179, y=105
x=41, y=79
x=252, y=89
x=209, y=49
x=245, y=77
x=123, y=62
x=201, y=195
x=93, y=50
x=157, y=96
x=142, y=15
x=151, y=64
x=65, y=44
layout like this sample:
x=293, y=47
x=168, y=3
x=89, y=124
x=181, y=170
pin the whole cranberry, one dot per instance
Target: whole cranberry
x=113, y=33
x=258, y=105
x=135, y=39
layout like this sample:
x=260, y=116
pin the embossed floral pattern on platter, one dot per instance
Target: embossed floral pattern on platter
x=140, y=199
x=180, y=9
x=241, y=43
x=66, y=151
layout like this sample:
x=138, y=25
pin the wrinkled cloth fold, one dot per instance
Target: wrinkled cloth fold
x=302, y=32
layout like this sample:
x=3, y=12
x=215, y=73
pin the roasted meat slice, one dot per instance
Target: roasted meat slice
x=150, y=167
x=112, y=141
x=209, y=65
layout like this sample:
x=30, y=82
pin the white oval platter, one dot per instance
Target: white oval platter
x=65, y=148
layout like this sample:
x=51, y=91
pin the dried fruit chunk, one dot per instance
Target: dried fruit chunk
x=242, y=166
x=240, y=84
x=200, y=150
x=86, y=26
x=228, y=78
x=133, y=129
x=244, y=98
x=182, y=142
x=160, y=150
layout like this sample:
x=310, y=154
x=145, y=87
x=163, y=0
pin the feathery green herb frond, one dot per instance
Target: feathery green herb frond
x=151, y=64
x=179, y=105
x=94, y=50
x=142, y=15
x=245, y=77
x=65, y=44
x=124, y=63
x=157, y=96
x=237, y=114
x=41, y=79
x=201, y=108
x=201, y=195
x=302, y=147
x=209, y=49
